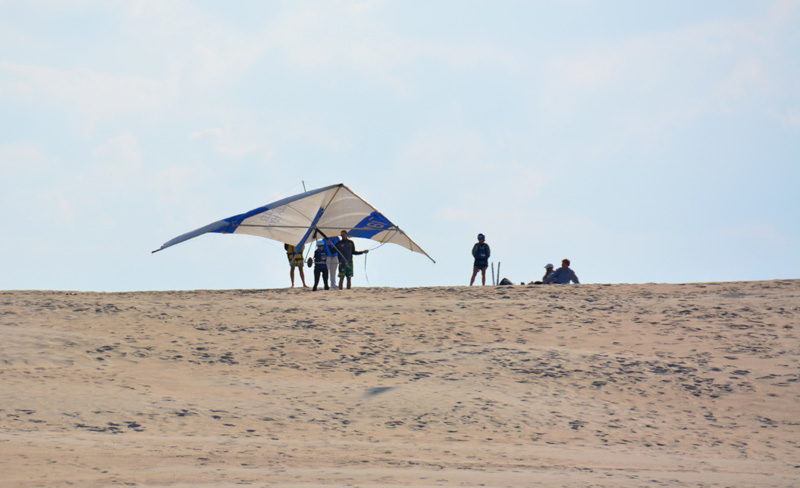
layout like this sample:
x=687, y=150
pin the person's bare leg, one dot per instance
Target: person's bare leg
x=349, y=284
x=483, y=276
x=302, y=277
x=341, y=281
x=474, y=274
x=291, y=274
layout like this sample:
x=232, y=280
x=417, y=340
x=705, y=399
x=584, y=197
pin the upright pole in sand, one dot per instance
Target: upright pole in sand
x=492, y=273
x=498, y=274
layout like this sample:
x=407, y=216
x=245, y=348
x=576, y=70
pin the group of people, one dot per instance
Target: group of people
x=481, y=252
x=561, y=276
x=337, y=252
x=331, y=253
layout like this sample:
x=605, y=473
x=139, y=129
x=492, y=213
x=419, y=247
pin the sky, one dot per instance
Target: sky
x=649, y=141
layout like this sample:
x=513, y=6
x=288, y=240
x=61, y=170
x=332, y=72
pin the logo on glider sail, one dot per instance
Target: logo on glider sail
x=371, y=224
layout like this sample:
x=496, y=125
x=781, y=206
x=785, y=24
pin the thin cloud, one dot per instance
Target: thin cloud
x=673, y=75
x=82, y=92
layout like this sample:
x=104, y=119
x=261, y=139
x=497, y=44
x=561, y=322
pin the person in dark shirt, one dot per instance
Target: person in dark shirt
x=320, y=266
x=347, y=249
x=481, y=253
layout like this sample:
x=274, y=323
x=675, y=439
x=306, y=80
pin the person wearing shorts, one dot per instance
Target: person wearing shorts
x=346, y=271
x=346, y=250
x=481, y=253
x=295, y=258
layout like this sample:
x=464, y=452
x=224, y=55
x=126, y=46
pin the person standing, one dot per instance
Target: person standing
x=480, y=252
x=346, y=250
x=295, y=258
x=563, y=275
x=320, y=266
x=332, y=261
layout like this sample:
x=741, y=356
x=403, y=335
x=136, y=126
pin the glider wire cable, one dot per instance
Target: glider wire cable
x=366, y=276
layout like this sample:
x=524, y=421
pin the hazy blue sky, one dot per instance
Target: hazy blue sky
x=648, y=141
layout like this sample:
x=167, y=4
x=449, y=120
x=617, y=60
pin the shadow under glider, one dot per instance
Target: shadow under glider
x=323, y=212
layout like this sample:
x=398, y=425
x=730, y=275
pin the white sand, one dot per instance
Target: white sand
x=587, y=385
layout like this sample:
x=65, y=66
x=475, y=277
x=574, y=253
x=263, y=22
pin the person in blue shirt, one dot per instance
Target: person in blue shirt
x=332, y=261
x=481, y=253
x=562, y=275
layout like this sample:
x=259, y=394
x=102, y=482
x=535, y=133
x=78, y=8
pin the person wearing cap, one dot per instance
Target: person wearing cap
x=548, y=270
x=320, y=266
x=563, y=275
x=481, y=253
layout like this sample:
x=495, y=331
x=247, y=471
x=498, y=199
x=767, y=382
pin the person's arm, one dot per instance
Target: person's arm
x=360, y=252
x=575, y=278
x=475, y=251
x=488, y=251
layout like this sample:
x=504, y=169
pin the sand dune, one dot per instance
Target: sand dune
x=587, y=385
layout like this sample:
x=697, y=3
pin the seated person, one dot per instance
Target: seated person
x=548, y=270
x=562, y=275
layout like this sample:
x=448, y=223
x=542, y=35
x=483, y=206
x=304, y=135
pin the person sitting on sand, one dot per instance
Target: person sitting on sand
x=562, y=275
x=481, y=252
x=548, y=270
x=295, y=261
x=320, y=266
x=346, y=250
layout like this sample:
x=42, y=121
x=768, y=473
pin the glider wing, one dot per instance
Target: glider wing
x=323, y=212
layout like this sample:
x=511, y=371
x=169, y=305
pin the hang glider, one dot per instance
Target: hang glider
x=305, y=217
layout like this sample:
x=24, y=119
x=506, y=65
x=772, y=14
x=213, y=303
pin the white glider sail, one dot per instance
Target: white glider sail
x=301, y=218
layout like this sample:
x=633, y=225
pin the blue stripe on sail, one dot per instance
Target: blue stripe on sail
x=311, y=228
x=229, y=225
x=235, y=221
x=372, y=224
x=212, y=227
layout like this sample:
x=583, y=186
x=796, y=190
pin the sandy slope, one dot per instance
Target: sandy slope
x=589, y=385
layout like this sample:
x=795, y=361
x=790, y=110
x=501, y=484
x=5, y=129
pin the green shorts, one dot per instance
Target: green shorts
x=345, y=270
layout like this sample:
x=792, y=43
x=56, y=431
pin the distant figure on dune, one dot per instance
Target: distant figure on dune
x=481, y=253
x=562, y=275
x=295, y=261
x=346, y=249
x=320, y=266
x=548, y=270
